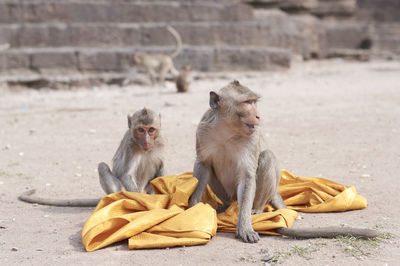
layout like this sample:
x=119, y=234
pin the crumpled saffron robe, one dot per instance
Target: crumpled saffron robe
x=163, y=220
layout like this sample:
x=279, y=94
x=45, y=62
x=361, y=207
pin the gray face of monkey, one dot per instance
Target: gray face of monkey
x=236, y=105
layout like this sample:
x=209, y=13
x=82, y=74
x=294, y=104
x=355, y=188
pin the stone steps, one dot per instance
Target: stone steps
x=253, y=33
x=203, y=58
x=88, y=11
x=387, y=37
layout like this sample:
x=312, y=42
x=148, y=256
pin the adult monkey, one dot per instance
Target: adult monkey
x=136, y=162
x=231, y=160
x=158, y=64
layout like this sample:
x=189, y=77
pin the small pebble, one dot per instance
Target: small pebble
x=267, y=257
x=78, y=174
x=14, y=249
x=365, y=175
x=21, y=153
x=264, y=250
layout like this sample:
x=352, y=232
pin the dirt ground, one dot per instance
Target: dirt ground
x=336, y=119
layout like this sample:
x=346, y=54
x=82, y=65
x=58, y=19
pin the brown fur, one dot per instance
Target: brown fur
x=232, y=159
x=158, y=64
x=136, y=162
x=184, y=79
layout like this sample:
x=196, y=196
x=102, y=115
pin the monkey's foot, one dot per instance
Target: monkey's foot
x=254, y=211
x=221, y=209
x=247, y=236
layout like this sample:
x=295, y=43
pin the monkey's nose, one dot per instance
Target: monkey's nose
x=258, y=118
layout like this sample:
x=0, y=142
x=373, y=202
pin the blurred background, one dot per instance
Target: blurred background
x=49, y=42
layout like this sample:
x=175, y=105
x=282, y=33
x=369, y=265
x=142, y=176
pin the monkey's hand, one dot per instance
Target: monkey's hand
x=193, y=201
x=247, y=235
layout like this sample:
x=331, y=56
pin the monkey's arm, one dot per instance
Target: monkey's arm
x=277, y=202
x=160, y=171
x=202, y=173
x=26, y=196
x=245, y=193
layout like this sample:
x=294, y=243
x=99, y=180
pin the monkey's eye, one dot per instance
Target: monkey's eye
x=152, y=130
x=249, y=101
x=141, y=130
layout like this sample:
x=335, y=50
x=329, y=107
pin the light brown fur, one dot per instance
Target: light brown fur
x=231, y=158
x=136, y=162
x=158, y=65
x=184, y=79
x=138, y=158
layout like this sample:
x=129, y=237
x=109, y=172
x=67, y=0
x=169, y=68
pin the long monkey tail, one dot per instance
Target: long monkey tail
x=328, y=232
x=27, y=197
x=178, y=40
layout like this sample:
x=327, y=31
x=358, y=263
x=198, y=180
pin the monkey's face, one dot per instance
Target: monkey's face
x=236, y=106
x=145, y=136
x=246, y=116
x=137, y=59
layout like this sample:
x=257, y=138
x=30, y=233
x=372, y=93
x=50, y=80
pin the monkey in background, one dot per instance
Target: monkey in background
x=184, y=79
x=158, y=64
x=230, y=157
x=136, y=162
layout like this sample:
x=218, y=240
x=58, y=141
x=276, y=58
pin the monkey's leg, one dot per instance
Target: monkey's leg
x=129, y=184
x=160, y=172
x=245, y=194
x=152, y=75
x=174, y=71
x=129, y=77
x=163, y=73
x=108, y=181
x=219, y=190
x=202, y=173
x=267, y=182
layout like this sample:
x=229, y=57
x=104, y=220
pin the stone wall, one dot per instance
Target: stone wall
x=100, y=36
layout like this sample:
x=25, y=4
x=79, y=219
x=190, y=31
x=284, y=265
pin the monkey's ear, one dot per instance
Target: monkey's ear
x=129, y=121
x=214, y=100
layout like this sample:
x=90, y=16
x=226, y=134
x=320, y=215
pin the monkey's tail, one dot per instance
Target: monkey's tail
x=27, y=197
x=328, y=232
x=178, y=40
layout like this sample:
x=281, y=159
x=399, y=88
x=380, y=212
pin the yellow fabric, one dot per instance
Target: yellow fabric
x=163, y=220
x=315, y=194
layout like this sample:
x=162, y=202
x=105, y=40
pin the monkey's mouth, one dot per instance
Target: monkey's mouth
x=251, y=128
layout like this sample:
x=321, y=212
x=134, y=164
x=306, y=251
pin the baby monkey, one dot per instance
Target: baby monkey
x=136, y=162
x=138, y=158
x=184, y=79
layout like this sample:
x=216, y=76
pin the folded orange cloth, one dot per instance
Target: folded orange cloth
x=162, y=219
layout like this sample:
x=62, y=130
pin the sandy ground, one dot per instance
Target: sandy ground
x=334, y=119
